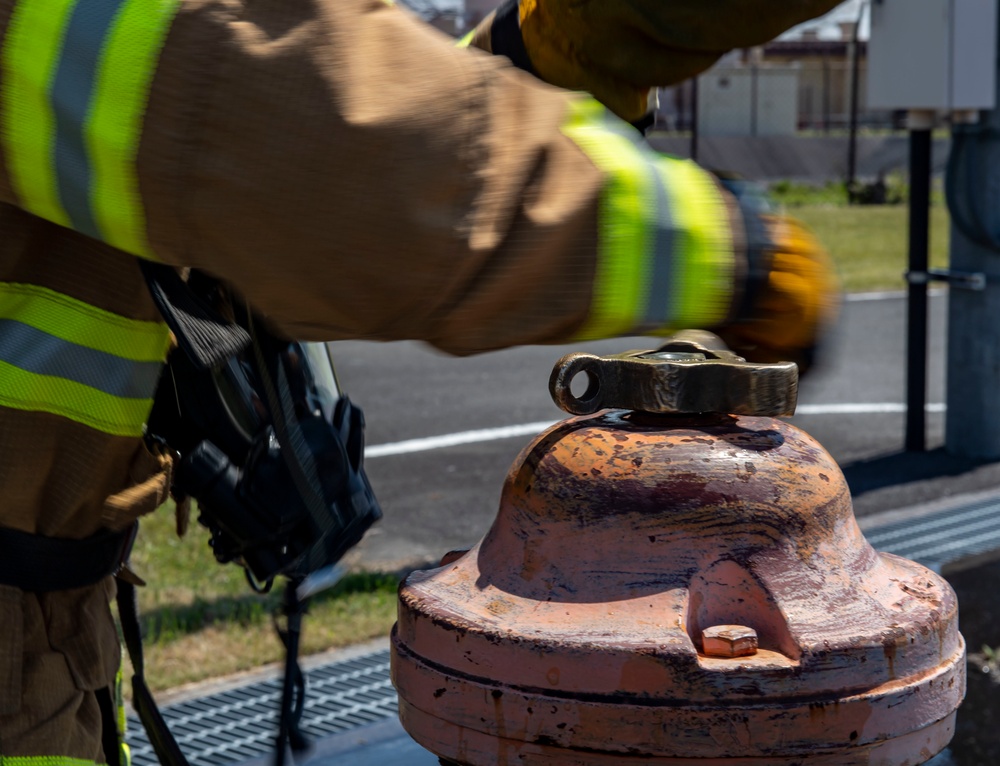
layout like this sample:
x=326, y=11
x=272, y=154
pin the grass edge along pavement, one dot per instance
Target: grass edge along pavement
x=201, y=620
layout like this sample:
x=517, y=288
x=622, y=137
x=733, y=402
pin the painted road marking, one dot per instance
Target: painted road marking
x=477, y=436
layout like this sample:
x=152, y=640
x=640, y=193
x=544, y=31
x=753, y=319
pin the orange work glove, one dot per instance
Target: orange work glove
x=796, y=302
x=618, y=49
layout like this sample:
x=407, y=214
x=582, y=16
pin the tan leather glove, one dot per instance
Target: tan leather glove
x=796, y=302
x=618, y=49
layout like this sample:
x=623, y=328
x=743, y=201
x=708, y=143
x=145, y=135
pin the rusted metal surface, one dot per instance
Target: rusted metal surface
x=691, y=373
x=729, y=641
x=677, y=589
x=572, y=633
x=452, y=556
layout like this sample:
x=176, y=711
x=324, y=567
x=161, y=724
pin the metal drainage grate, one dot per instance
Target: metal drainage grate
x=241, y=724
x=943, y=538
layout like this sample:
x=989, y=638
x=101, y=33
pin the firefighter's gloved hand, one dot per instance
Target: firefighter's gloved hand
x=618, y=49
x=793, y=305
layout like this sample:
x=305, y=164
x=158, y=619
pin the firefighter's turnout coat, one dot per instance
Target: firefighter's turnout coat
x=349, y=171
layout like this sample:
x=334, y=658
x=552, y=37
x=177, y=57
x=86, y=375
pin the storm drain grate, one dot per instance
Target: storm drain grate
x=943, y=538
x=240, y=724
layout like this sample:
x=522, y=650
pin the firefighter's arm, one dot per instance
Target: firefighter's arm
x=618, y=49
x=356, y=176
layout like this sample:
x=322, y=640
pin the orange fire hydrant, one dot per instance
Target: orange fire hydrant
x=664, y=587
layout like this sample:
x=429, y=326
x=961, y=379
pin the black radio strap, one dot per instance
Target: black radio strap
x=202, y=332
x=168, y=752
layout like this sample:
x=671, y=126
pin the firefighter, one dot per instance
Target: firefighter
x=353, y=175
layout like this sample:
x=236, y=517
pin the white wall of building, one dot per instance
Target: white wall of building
x=748, y=101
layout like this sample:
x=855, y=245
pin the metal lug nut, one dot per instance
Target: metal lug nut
x=729, y=641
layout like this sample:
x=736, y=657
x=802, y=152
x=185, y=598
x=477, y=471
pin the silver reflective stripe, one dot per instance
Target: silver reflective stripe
x=38, y=352
x=661, y=280
x=72, y=93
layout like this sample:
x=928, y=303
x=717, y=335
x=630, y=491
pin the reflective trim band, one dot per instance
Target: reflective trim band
x=39, y=353
x=43, y=760
x=703, y=286
x=71, y=92
x=80, y=323
x=115, y=125
x=77, y=79
x=665, y=255
x=124, y=751
x=30, y=56
x=62, y=356
x=624, y=234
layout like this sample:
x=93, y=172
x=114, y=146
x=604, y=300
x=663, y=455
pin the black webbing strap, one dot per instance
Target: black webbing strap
x=204, y=335
x=109, y=728
x=505, y=36
x=40, y=564
x=164, y=745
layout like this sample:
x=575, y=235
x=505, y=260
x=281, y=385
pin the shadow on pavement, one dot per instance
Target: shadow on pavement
x=905, y=467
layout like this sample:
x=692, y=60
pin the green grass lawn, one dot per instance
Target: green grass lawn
x=201, y=619
x=868, y=244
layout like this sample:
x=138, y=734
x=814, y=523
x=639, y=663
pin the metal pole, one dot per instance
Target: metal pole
x=826, y=95
x=852, y=142
x=972, y=427
x=919, y=248
x=753, y=99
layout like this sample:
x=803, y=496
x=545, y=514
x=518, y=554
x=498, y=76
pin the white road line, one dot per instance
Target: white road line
x=529, y=429
x=859, y=409
x=453, y=440
x=888, y=295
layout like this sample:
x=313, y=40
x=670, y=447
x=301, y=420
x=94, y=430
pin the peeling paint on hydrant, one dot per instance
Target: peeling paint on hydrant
x=584, y=629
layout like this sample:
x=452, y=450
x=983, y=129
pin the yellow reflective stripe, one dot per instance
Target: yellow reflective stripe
x=705, y=266
x=77, y=76
x=23, y=390
x=665, y=249
x=124, y=752
x=78, y=322
x=43, y=760
x=622, y=268
x=30, y=56
x=466, y=41
x=65, y=357
x=115, y=122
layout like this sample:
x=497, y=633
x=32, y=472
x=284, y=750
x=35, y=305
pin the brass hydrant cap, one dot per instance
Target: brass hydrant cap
x=691, y=373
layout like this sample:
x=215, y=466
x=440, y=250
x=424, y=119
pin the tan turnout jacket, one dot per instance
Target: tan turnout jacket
x=356, y=177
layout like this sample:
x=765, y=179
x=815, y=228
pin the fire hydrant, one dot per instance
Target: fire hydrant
x=680, y=580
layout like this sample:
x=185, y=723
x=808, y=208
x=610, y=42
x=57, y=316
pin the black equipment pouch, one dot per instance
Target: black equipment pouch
x=272, y=452
x=268, y=447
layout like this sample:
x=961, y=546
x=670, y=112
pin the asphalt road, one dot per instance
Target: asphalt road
x=439, y=484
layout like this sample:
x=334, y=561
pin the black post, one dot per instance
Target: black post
x=826, y=95
x=694, y=117
x=919, y=246
x=852, y=142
